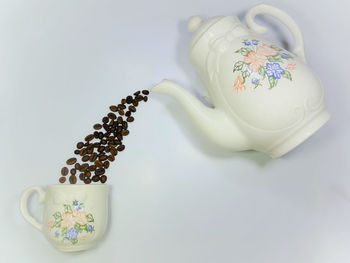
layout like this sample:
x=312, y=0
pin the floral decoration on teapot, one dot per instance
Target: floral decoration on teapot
x=260, y=62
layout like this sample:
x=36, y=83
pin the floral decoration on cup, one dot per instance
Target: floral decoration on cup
x=260, y=62
x=73, y=224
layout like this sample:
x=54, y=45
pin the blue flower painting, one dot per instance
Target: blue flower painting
x=71, y=234
x=274, y=70
x=255, y=80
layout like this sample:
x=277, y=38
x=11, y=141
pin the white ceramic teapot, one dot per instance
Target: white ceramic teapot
x=264, y=97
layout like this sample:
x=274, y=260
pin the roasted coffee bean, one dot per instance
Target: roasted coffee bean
x=98, y=163
x=64, y=171
x=71, y=161
x=87, y=174
x=93, y=157
x=139, y=97
x=72, y=179
x=125, y=125
x=97, y=126
x=108, y=149
x=129, y=99
x=111, y=144
x=90, y=150
x=106, y=164
x=81, y=177
x=125, y=132
x=100, y=171
x=77, y=166
x=113, y=108
x=103, y=158
x=111, y=158
x=106, y=127
x=100, y=135
x=137, y=93
x=96, y=144
x=96, y=134
x=73, y=171
x=111, y=123
x=101, y=149
x=92, y=168
x=76, y=151
x=121, y=107
x=120, y=120
x=103, y=179
x=132, y=108
x=119, y=129
x=121, y=147
x=112, y=116
x=135, y=103
x=130, y=119
x=103, y=141
x=89, y=137
x=83, y=167
x=62, y=180
x=128, y=114
x=119, y=137
x=87, y=181
x=145, y=98
x=80, y=145
x=114, y=151
x=123, y=101
x=105, y=119
x=146, y=92
x=83, y=152
x=121, y=112
x=85, y=158
x=95, y=178
x=117, y=142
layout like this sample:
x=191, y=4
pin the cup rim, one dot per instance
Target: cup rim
x=77, y=185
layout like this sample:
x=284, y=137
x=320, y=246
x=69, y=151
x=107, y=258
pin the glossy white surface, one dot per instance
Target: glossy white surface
x=174, y=198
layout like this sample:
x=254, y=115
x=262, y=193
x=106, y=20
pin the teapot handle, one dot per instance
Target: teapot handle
x=284, y=18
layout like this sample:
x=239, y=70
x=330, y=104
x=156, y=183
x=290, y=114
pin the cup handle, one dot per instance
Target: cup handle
x=284, y=18
x=23, y=205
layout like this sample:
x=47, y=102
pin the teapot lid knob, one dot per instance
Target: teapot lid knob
x=193, y=23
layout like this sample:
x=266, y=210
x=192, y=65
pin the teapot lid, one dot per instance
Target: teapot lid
x=210, y=28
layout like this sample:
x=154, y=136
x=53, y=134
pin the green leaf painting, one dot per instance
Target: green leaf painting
x=272, y=82
x=286, y=74
x=238, y=66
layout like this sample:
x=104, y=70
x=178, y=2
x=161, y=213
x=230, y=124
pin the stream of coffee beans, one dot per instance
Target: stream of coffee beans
x=101, y=147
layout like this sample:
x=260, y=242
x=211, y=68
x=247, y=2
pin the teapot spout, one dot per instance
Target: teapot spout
x=212, y=121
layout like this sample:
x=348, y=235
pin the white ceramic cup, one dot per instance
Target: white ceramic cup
x=75, y=216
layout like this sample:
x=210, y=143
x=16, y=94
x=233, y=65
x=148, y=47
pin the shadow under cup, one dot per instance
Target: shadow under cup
x=75, y=216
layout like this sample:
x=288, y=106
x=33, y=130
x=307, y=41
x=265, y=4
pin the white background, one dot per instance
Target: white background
x=174, y=196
